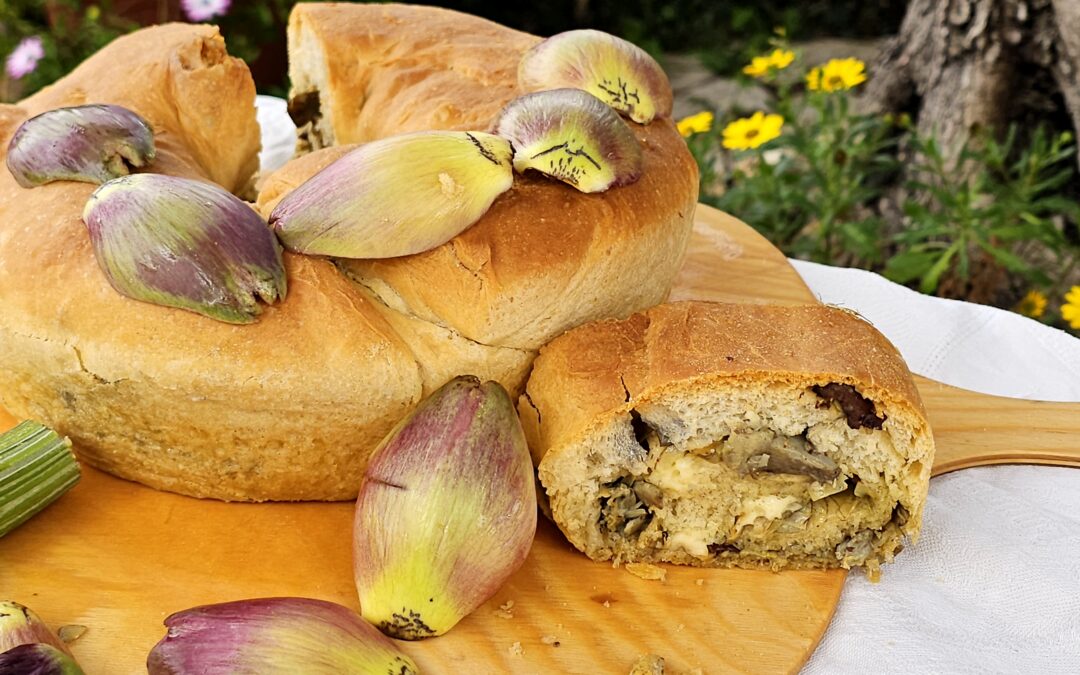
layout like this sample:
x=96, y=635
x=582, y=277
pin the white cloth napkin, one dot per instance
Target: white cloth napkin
x=278, y=132
x=993, y=586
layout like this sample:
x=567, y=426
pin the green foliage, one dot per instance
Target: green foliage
x=723, y=34
x=992, y=197
x=817, y=191
x=726, y=34
x=69, y=30
x=809, y=193
x=248, y=27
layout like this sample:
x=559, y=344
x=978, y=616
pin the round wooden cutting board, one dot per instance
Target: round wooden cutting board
x=117, y=557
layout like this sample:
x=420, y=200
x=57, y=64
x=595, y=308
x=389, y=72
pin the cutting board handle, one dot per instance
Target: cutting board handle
x=973, y=429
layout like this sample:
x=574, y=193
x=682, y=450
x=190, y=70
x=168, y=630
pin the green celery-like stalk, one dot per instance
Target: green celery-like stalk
x=36, y=467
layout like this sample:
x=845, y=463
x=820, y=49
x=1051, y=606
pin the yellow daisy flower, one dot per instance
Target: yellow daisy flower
x=760, y=66
x=837, y=75
x=1070, y=311
x=751, y=132
x=695, y=124
x=1033, y=304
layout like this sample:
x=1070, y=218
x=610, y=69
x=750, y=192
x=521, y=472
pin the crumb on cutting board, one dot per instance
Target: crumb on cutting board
x=505, y=610
x=700, y=582
x=649, y=664
x=70, y=633
x=647, y=571
x=516, y=649
x=550, y=640
x=653, y=664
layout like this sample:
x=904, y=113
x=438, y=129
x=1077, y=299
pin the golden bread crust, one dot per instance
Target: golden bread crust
x=545, y=257
x=163, y=66
x=168, y=397
x=596, y=369
x=649, y=434
x=291, y=406
x=397, y=68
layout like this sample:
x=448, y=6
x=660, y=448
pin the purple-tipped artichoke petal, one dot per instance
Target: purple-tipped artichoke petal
x=20, y=625
x=38, y=659
x=446, y=512
x=572, y=136
x=396, y=196
x=87, y=143
x=615, y=71
x=183, y=243
x=274, y=635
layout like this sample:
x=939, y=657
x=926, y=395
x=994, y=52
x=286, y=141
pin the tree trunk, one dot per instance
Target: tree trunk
x=1066, y=47
x=958, y=66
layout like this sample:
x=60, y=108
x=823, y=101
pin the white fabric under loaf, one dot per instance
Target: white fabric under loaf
x=993, y=586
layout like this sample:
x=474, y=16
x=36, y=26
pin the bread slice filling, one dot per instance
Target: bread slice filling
x=312, y=133
x=781, y=476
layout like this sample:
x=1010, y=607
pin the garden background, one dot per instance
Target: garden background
x=933, y=142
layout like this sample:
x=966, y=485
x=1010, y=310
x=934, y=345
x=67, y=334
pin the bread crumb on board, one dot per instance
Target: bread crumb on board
x=516, y=649
x=699, y=582
x=550, y=640
x=653, y=664
x=647, y=571
x=649, y=664
x=505, y=610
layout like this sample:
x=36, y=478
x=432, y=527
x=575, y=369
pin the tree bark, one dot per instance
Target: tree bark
x=959, y=66
x=962, y=65
x=1066, y=68
x=967, y=64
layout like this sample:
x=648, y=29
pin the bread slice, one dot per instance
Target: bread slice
x=730, y=435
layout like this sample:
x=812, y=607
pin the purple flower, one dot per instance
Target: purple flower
x=201, y=10
x=24, y=58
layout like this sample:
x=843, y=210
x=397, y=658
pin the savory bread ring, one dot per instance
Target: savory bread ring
x=290, y=407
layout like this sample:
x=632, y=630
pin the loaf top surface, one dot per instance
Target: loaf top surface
x=396, y=68
x=600, y=368
x=200, y=103
x=517, y=277
x=520, y=267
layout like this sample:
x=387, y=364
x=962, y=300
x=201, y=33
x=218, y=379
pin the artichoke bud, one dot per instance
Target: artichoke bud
x=274, y=635
x=446, y=512
x=20, y=625
x=615, y=71
x=396, y=196
x=87, y=143
x=184, y=243
x=38, y=659
x=571, y=136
